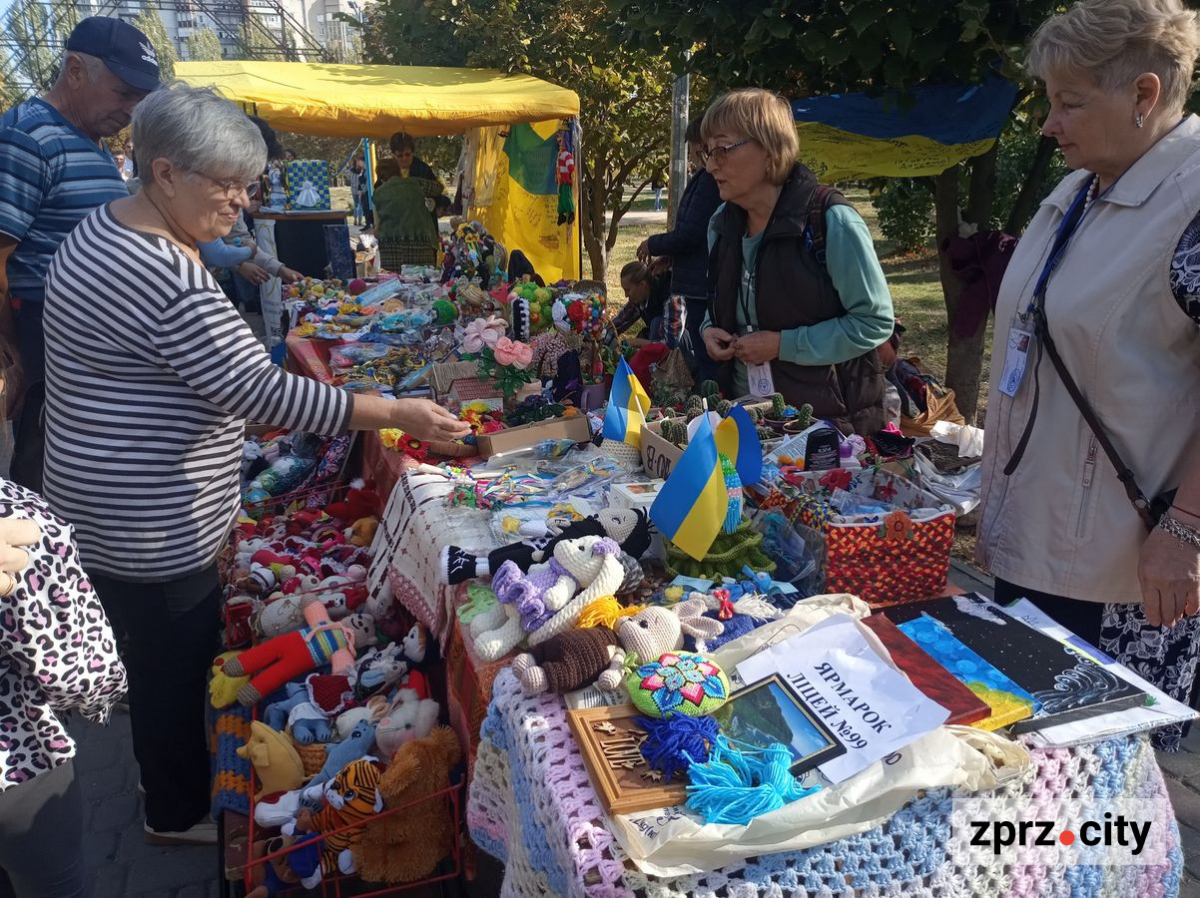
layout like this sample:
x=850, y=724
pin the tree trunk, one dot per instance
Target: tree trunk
x=964, y=354
x=1023, y=208
x=593, y=224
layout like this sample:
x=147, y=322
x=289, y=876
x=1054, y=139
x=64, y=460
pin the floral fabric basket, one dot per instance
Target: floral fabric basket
x=875, y=534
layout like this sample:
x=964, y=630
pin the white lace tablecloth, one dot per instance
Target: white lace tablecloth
x=416, y=524
x=533, y=807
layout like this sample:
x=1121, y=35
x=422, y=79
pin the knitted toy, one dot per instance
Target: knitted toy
x=410, y=717
x=350, y=797
x=358, y=745
x=726, y=557
x=310, y=706
x=577, y=658
x=276, y=763
x=630, y=528
x=222, y=688
x=678, y=683
x=551, y=596
x=564, y=177
x=274, y=662
x=407, y=846
x=360, y=502
x=284, y=873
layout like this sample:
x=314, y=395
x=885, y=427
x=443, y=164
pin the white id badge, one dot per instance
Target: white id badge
x=761, y=382
x=1020, y=341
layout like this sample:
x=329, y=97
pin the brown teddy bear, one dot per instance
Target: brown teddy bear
x=407, y=846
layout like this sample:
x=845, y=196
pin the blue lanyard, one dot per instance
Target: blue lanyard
x=1062, y=239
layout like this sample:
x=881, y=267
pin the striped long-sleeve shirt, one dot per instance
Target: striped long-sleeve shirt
x=51, y=176
x=151, y=374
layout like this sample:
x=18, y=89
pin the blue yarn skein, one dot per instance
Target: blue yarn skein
x=674, y=743
x=734, y=787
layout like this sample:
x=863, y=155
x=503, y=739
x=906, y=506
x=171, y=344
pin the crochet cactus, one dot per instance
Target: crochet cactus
x=806, y=416
x=778, y=405
x=711, y=391
x=674, y=431
x=694, y=407
x=725, y=558
x=723, y=407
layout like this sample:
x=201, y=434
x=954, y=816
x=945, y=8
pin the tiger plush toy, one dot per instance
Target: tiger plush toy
x=351, y=796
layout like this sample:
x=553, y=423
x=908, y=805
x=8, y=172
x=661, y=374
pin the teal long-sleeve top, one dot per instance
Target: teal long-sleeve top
x=858, y=278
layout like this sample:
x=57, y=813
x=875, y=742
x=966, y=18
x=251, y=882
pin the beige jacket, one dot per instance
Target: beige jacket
x=1062, y=523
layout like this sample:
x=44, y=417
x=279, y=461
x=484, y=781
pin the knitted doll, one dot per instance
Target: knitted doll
x=580, y=571
x=591, y=565
x=577, y=658
x=350, y=797
x=278, y=660
x=564, y=177
x=629, y=527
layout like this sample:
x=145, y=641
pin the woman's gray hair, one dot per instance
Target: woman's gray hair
x=199, y=131
x=1114, y=41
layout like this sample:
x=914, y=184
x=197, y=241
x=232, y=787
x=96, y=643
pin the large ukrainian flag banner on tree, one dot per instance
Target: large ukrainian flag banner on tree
x=847, y=136
x=516, y=197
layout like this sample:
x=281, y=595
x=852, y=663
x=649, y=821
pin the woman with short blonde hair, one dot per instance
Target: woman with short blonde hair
x=1103, y=296
x=797, y=301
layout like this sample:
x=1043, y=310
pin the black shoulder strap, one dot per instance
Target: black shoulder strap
x=1136, y=497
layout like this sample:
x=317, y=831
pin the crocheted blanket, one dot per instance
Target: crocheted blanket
x=415, y=526
x=533, y=807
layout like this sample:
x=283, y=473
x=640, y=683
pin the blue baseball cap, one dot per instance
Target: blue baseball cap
x=126, y=52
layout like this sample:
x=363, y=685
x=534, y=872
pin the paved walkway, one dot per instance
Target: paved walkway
x=121, y=862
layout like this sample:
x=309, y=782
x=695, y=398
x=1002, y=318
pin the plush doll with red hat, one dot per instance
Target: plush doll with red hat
x=360, y=502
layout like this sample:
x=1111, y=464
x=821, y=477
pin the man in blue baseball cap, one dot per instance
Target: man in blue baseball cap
x=54, y=171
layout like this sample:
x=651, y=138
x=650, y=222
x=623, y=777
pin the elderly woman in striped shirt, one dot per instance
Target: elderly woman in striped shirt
x=151, y=376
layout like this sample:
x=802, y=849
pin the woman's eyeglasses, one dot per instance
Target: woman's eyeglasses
x=720, y=154
x=230, y=189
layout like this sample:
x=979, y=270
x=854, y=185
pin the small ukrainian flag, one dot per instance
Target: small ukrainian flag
x=627, y=407
x=692, y=505
x=738, y=439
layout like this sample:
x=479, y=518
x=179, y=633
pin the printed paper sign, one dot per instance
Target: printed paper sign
x=870, y=707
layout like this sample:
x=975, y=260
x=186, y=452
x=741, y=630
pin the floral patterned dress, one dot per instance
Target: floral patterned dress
x=1165, y=657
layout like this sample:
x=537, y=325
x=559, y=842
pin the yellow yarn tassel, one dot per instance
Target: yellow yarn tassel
x=605, y=612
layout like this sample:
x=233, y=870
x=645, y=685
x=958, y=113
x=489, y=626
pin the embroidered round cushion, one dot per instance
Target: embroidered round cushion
x=678, y=683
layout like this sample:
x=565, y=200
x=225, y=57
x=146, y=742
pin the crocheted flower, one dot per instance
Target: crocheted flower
x=513, y=352
x=676, y=679
x=896, y=526
x=576, y=312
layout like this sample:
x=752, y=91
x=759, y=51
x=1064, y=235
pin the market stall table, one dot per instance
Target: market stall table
x=533, y=807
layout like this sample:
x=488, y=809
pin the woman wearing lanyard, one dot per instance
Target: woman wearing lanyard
x=797, y=300
x=1102, y=299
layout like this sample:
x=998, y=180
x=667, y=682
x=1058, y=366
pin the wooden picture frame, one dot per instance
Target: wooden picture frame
x=610, y=741
x=742, y=720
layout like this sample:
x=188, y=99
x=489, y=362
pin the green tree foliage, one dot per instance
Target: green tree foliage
x=34, y=34
x=203, y=45
x=150, y=24
x=906, y=213
x=624, y=91
x=804, y=47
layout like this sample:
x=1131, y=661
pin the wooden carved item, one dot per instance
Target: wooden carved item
x=610, y=740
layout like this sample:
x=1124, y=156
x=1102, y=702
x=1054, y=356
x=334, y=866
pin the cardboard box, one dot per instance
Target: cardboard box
x=659, y=456
x=574, y=428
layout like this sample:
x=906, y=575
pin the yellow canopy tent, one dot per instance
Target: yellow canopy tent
x=378, y=100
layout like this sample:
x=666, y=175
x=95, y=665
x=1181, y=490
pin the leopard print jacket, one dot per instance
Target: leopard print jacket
x=57, y=650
